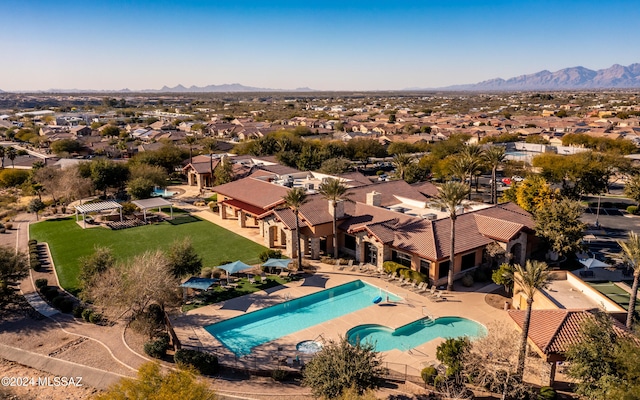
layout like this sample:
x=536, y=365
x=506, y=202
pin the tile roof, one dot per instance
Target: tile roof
x=426, y=188
x=553, y=331
x=288, y=218
x=431, y=239
x=389, y=191
x=254, y=191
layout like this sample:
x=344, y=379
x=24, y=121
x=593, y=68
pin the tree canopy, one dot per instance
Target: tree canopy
x=559, y=225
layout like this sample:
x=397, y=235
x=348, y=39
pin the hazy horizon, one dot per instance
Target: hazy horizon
x=333, y=45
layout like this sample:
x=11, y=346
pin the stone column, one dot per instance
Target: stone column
x=223, y=210
x=305, y=245
x=242, y=219
x=315, y=248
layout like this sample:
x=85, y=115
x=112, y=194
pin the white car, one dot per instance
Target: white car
x=517, y=178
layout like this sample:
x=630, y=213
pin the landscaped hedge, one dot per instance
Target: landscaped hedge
x=157, y=348
x=429, y=375
x=40, y=283
x=206, y=364
x=401, y=270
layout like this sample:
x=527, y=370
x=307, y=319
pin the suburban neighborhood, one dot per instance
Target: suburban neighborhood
x=457, y=245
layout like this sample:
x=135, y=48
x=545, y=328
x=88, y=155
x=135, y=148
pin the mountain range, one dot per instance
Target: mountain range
x=229, y=87
x=614, y=77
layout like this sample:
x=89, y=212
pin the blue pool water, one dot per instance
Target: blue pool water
x=414, y=334
x=162, y=193
x=241, y=334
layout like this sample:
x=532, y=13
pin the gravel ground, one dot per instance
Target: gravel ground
x=93, y=354
x=35, y=391
x=42, y=337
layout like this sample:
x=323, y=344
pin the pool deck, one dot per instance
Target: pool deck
x=189, y=327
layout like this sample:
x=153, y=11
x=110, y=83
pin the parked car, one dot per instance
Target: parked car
x=517, y=178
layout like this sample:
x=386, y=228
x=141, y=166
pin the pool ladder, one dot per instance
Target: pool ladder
x=428, y=321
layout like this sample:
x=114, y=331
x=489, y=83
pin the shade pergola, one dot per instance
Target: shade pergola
x=155, y=202
x=593, y=263
x=96, y=207
x=281, y=263
x=234, y=267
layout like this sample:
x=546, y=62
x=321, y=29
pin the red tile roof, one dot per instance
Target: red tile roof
x=254, y=192
x=553, y=331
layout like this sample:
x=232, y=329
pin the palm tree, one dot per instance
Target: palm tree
x=190, y=141
x=631, y=252
x=11, y=155
x=402, y=162
x=294, y=199
x=2, y=154
x=333, y=190
x=533, y=277
x=494, y=156
x=450, y=198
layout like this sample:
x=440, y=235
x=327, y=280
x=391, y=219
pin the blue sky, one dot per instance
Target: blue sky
x=325, y=45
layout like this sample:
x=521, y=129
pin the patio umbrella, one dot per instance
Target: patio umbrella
x=234, y=267
x=281, y=263
x=593, y=263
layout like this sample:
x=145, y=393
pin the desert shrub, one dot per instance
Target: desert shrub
x=429, y=375
x=8, y=225
x=129, y=208
x=34, y=263
x=217, y=273
x=467, y=280
x=77, y=311
x=157, y=348
x=206, y=364
x=279, y=375
x=269, y=253
x=32, y=242
x=632, y=210
x=95, y=318
x=206, y=272
x=40, y=283
x=547, y=393
x=51, y=293
x=86, y=314
x=393, y=267
x=66, y=306
x=57, y=301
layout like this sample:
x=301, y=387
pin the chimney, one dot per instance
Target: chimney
x=374, y=199
x=339, y=209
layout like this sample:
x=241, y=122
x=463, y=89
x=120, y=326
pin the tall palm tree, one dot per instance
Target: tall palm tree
x=494, y=156
x=333, y=190
x=2, y=154
x=294, y=199
x=533, y=277
x=631, y=252
x=450, y=197
x=11, y=155
x=401, y=162
x=190, y=141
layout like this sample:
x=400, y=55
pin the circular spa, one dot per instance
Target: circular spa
x=415, y=333
x=309, y=347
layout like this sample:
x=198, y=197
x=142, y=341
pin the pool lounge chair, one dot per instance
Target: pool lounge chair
x=350, y=265
x=439, y=297
x=422, y=288
x=336, y=266
x=252, y=279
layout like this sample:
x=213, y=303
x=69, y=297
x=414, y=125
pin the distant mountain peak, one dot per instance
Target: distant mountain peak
x=615, y=77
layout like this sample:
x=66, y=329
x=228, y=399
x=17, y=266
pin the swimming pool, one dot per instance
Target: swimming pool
x=414, y=334
x=241, y=334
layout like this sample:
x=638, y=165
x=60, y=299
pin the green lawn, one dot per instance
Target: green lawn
x=69, y=242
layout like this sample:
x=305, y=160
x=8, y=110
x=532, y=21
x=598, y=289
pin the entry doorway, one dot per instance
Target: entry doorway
x=370, y=254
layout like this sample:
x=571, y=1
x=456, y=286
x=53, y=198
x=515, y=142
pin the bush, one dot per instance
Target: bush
x=32, y=242
x=206, y=364
x=157, y=348
x=392, y=267
x=467, y=280
x=429, y=375
x=34, y=263
x=267, y=254
x=206, y=272
x=51, y=293
x=8, y=225
x=547, y=393
x=57, y=301
x=86, y=314
x=480, y=275
x=632, y=210
x=40, y=283
x=66, y=306
x=77, y=311
x=95, y=318
x=279, y=375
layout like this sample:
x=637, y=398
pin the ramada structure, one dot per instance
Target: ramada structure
x=376, y=222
